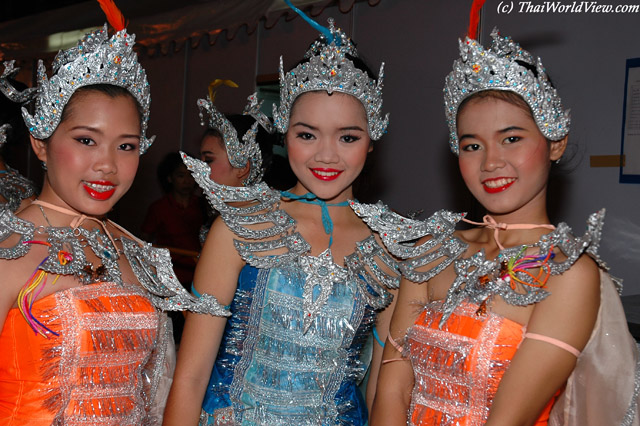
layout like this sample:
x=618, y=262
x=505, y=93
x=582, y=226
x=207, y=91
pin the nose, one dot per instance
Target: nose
x=327, y=151
x=493, y=159
x=105, y=161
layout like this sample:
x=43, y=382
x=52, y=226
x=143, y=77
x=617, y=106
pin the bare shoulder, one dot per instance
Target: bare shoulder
x=583, y=276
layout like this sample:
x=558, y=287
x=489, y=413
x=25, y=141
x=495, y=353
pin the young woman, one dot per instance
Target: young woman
x=303, y=276
x=513, y=322
x=82, y=339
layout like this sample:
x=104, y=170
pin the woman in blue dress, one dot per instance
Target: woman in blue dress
x=305, y=279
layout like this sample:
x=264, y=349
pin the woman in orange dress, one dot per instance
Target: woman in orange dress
x=83, y=339
x=514, y=321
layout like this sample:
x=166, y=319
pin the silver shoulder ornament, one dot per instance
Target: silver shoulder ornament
x=253, y=213
x=479, y=279
x=14, y=188
x=66, y=256
x=401, y=234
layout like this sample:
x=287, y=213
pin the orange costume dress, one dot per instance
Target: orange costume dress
x=97, y=354
x=458, y=367
x=101, y=368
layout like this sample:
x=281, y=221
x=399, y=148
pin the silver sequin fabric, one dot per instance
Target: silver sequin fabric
x=14, y=188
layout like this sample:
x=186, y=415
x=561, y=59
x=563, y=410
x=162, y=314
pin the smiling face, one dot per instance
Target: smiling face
x=504, y=159
x=93, y=155
x=327, y=144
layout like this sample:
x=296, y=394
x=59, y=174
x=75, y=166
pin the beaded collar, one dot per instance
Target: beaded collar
x=479, y=279
x=66, y=256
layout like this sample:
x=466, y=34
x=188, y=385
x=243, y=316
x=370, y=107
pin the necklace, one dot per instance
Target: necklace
x=311, y=198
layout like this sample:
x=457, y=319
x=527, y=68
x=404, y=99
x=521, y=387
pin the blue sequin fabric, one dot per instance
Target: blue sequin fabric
x=269, y=372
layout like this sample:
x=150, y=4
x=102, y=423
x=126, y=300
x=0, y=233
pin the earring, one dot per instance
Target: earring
x=558, y=160
x=44, y=165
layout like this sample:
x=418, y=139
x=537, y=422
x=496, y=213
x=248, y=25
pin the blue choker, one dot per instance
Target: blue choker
x=310, y=198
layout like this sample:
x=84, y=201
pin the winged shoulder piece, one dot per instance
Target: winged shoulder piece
x=152, y=267
x=14, y=188
x=420, y=242
x=66, y=256
x=252, y=213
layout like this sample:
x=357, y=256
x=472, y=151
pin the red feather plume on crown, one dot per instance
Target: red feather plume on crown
x=474, y=19
x=113, y=14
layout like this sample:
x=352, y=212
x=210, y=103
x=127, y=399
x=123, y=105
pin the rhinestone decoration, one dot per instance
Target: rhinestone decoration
x=14, y=187
x=330, y=70
x=97, y=59
x=256, y=216
x=399, y=235
x=321, y=272
x=10, y=224
x=153, y=268
x=499, y=68
x=237, y=152
x=253, y=109
x=3, y=133
x=8, y=90
x=478, y=279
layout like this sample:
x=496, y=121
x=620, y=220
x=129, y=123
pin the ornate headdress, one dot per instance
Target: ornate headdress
x=97, y=59
x=504, y=66
x=238, y=152
x=11, y=92
x=330, y=70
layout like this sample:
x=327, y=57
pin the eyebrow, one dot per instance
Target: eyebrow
x=96, y=130
x=352, y=128
x=505, y=130
x=510, y=128
x=300, y=123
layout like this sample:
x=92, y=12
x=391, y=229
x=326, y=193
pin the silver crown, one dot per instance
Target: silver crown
x=500, y=68
x=237, y=152
x=330, y=70
x=8, y=90
x=97, y=59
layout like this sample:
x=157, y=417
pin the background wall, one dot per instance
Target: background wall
x=417, y=39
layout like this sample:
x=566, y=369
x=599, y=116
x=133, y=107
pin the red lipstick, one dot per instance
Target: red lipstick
x=100, y=190
x=326, y=174
x=497, y=184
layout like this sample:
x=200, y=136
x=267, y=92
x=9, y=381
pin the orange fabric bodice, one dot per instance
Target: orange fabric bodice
x=458, y=368
x=93, y=373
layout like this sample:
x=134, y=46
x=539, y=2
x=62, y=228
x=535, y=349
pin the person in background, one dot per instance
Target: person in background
x=174, y=220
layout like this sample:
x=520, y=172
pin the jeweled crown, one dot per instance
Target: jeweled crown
x=504, y=67
x=329, y=69
x=97, y=59
x=237, y=152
